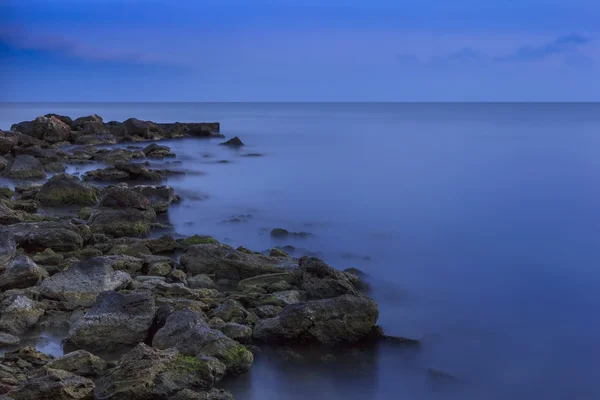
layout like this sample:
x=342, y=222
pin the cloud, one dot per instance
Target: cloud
x=562, y=45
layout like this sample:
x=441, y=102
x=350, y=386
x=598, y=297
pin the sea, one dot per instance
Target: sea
x=477, y=224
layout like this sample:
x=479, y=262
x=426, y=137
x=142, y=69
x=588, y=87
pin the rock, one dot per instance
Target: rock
x=134, y=250
x=8, y=340
x=7, y=142
x=267, y=311
x=197, y=239
x=320, y=281
x=280, y=286
x=114, y=156
x=26, y=167
x=233, y=311
x=51, y=130
x=55, y=167
x=147, y=373
x=120, y=197
x=347, y=318
x=278, y=253
x=159, y=269
x=283, y=298
x=160, y=197
x=187, y=332
x=6, y=192
x=55, y=385
x=65, y=189
x=92, y=124
x=63, y=118
x=8, y=216
x=279, y=233
x=82, y=282
x=201, y=281
x=155, y=151
x=110, y=174
x=234, y=142
x=238, y=332
x=29, y=206
x=119, y=222
x=267, y=280
x=8, y=249
x=84, y=213
x=163, y=244
x=48, y=257
x=38, y=236
x=228, y=264
x=178, y=276
x=21, y=273
x=18, y=314
x=137, y=172
x=3, y=163
x=213, y=394
x=115, y=321
x=79, y=362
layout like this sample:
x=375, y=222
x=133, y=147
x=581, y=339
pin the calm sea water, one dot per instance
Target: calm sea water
x=479, y=225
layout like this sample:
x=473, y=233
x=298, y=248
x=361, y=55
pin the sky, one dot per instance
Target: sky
x=310, y=50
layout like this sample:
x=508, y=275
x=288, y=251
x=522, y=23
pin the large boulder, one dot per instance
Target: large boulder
x=18, y=314
x=228, y=264
x=119, y=222
x=79, y=362
x=123, y=197
x=26, y=167
x=91, y=124
x=64, y=189
x=343, y=319
x=116, y=321
x=54, y=385
x=51, y=130
x=83, y=281
x=160, y=197
x=320, y=281
x=187, y=332
x=147, y=373
x=21, y=273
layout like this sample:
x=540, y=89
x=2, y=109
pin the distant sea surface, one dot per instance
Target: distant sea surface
x=478, y=225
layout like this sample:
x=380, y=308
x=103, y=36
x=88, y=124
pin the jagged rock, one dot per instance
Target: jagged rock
x=65, y=189
x=213, y=394
x=26, y=167
x=119, y=222
x=115, y=321
x=8, y=216
x=155, y=151
x=114, y=156
x=7, y=142
x=187, y=332
x=55, y=385
x=283, y=298
x=347, y=318
x=233, y=142
x=201, y=281
x=160, y=197
x=63, y=118
x=21, y=273
x=228, y=264
x=268, y=311
x=120, y=197
x=18, y=314
x=92, y=124
x=48, y=257
x=79, y=362
x=51, y=130
x=147, y=373
x=163, y=244
x=320, y=281
x=81, y=283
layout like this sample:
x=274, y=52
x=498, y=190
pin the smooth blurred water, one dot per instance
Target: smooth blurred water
x=481, y=223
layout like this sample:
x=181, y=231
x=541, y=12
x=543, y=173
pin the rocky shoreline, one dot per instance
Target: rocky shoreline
x=147, y=316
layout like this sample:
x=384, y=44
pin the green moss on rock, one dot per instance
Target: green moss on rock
x=197, y=239
x=278, y=253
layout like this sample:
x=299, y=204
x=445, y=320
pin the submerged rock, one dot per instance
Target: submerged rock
x=233, y=142
x=115, y=321
x=65, y=189
x=343, y=319
x=320, y=281
x=160, y=197
x=83, y=281
x=147, y=373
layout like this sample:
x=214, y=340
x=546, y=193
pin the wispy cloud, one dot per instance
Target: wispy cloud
x=560, y=46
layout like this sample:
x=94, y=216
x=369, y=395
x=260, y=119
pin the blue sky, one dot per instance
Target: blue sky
x=345, y=50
